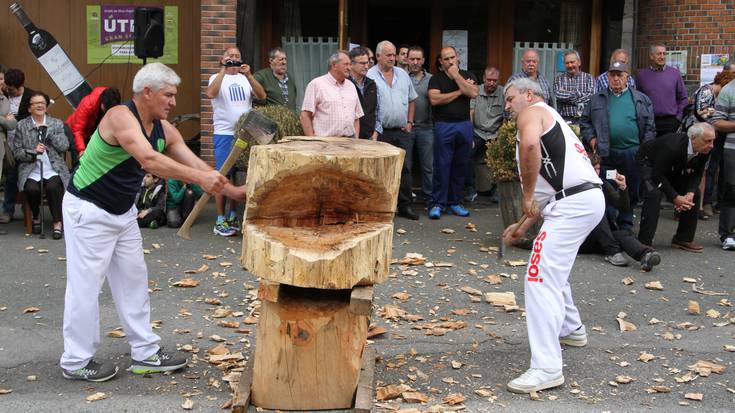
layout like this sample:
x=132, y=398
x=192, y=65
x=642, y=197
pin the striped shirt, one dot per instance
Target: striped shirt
x=545, y=86
x=725, y=110
x=573, y=93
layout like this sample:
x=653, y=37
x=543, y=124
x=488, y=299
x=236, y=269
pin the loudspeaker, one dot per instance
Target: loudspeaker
x=148, y=32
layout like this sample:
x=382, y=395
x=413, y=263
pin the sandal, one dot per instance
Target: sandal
x=57, y=234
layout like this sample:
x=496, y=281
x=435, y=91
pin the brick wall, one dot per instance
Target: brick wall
x=698, y=26
x=218, y=31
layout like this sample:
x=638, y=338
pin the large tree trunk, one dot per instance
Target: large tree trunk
x=308, y=351
x=320, y=210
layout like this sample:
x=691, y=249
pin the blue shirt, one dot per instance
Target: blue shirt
x=393, y=99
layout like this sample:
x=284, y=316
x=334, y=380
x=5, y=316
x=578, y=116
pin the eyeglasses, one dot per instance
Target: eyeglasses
x=355, y=62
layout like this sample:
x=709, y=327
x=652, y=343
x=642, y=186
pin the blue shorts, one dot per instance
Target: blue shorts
x=222, y=148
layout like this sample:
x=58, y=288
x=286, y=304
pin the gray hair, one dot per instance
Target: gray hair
x=382, y=45
x=699, y=129
x=273, y=51
x=618, y=51
x=491, y=69
x=728, y=65
x=334, y=58
x=653, y=47
x=573, y=52
x=155, y=76
x=525, y=84
x=224, y=54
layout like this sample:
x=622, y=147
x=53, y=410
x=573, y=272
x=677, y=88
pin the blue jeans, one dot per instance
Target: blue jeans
x=424, y=144
x=452, y=153
x=623, y=160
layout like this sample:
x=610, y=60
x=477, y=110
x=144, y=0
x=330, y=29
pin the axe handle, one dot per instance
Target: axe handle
x=237, y=148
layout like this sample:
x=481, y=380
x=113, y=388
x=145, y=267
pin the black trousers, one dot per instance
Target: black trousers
x=176, y=216
x=53, y=190
x=155, y=215
x=403, y=140
x=604, y=240
x=666, y=124
x=652, y=209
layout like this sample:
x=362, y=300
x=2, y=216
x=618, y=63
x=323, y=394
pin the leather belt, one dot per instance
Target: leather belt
x=575, y=190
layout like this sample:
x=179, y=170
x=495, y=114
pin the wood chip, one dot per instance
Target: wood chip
x=30, y=310
x=501, y=299
x=216, y=338
x=374, y=331
x=694, y=396
x=702, y=365
x=712, y=313
x=624, y=379
x=658, y=389
x=222, y=313
x=628, y=280
x=646, y=357
x=448, y=231
x=693, y=307
x=454, y=398
x=414, y=397
x=188, y=404
x=203, y=268
x=391, y=391
x=218, y=350
x=402, y=296
x=456, y=364
x=186, y=283
x=116, y=333
x=400, y=231
x=626, y=325
x=654, y=285
x=689, y=280
x=471, y=291
x=516, y=263
x=209, y=257
x=96, y=397
x=493, y=279
x=412, y=258
x=5, y=391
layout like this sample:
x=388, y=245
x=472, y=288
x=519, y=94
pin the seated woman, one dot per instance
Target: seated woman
x=607, y=238
x=180, y=200
x=151, y=202
x=39, y=145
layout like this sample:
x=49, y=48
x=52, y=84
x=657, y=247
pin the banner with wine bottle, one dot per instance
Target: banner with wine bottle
x=110, y=34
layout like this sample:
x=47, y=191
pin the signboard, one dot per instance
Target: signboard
x=710, y=65
x=458, y=39
x=678, y=60
x=110, y=34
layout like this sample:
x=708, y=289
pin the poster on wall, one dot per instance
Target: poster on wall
x=678, y=60
x=458, y=39
x=710, y=65
x=110, y=34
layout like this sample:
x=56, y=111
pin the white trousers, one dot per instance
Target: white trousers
x=550, y=310
x=101, y=245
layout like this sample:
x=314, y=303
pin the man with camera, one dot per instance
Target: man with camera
x=231, y=91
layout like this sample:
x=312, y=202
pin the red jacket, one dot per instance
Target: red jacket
x=82, y=121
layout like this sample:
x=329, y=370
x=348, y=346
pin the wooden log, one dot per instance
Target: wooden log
x=510, y=195
x=365, y=391
x=269, y=290
x=309, y=351
x=320, y=211
x=361, y=300
x=242, y=395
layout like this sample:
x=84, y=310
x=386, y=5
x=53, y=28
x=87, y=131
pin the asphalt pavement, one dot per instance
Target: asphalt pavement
x=442, y=340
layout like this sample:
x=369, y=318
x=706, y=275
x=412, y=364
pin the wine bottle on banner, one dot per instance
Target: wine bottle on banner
x=54, y=59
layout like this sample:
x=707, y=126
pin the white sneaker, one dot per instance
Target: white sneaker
x=578, y=338
x=536, y=380
x=728, y=244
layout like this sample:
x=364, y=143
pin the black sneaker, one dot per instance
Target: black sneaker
x=158, y=363
x=93, y=371
x=650, y=260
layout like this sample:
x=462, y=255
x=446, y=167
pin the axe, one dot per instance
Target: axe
x=255, y=126
x=501, y=247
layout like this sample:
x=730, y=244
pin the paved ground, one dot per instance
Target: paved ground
x=474, y=361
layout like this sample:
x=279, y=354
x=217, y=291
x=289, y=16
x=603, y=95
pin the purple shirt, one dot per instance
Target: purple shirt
x=666, y=90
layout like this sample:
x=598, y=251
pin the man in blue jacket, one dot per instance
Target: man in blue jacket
x=616, y=122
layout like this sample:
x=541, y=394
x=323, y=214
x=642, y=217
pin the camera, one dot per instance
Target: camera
x=232, y=63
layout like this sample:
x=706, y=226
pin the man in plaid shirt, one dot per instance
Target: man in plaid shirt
x=603, y=82
x=529, y=69
x=573, y=88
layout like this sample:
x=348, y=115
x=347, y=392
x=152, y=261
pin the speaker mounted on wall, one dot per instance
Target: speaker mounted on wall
x=148, y=32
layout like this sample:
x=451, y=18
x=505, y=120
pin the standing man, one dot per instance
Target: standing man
x=573, y=88
x=367, y=91
x=450, y=92
x=331, y=105
x=19, y=98
x=102, y=236
x=724, y=122
x=231, y=91
x=665, y=87
x=603, y=82
x=280, y=89
x=672, y=166
x=560, y=185
x=402, y=58
x=615, y=123
x=423, y=127
x=529, y=69
x=487, y=116
x=396, y=99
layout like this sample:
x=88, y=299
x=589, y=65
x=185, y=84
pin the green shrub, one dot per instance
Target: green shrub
x=288, y=125
x=501, y=154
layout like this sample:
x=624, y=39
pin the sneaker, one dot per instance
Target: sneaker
x=617, y=259
x=153, y=224
x=5, y=218
x=93, y=371
x=158, y=363
x=536, y=380
x=470, y=197
x=650, y=260
x=459, y=210
x=233, y=223
x=435, y=212
x=223, y=229
x=578, y=338
x=728, y=244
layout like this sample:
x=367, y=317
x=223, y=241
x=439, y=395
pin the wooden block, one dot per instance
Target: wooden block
x=361, y=300
x=365, y=391
x=269, y=290
x=320, y=211
x=242, y=395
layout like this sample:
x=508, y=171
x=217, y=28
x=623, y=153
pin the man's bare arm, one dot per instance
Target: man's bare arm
x=467, y=88
x=306, y=122
x=530, y=129
x=725, y=126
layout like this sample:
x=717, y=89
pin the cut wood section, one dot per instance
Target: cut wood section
x=364, y=394
x=309, y=351
x=242, y=395
x=320, y=210
x=268, y=290
x=361, y=300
